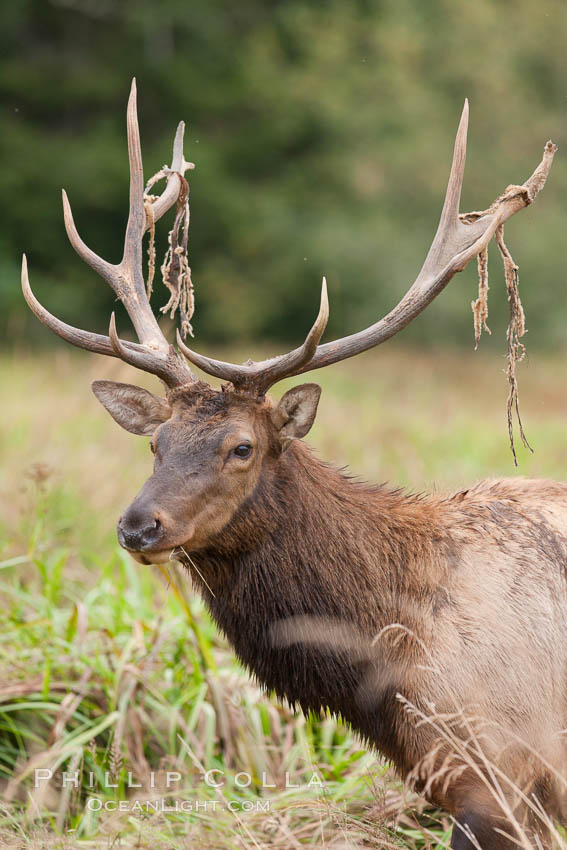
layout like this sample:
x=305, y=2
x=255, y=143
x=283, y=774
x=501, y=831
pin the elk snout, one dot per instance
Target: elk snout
x=139, y=531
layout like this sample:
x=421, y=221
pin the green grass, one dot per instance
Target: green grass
x=106, y=666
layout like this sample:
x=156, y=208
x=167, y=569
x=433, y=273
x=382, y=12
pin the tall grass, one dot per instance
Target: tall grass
x=108, y=668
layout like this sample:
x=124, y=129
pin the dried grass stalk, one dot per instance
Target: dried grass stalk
x=516, y=330
x=480, y=306
x=175, y=270
x=516, y=324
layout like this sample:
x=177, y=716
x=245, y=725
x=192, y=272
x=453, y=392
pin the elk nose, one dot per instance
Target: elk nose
x=138, y=534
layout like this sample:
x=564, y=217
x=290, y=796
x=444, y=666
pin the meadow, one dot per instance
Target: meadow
x=113, y=672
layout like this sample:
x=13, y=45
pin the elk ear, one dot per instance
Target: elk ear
x=135, y=409
x=295, y=413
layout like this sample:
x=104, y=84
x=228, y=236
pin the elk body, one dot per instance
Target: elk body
x=435, y=626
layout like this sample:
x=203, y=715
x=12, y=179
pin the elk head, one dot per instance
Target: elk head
x=210, y=449
x=213, y=448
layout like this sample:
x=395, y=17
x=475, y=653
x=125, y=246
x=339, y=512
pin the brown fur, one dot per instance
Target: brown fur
x=344, y=596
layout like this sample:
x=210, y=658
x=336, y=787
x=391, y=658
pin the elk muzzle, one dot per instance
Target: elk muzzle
x=141, y=530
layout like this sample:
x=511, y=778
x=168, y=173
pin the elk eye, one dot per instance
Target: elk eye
x=243, y=450
x=152, y=447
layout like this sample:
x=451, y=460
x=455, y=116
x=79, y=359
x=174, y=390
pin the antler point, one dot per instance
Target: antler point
x=24, y=276
x=324, y=296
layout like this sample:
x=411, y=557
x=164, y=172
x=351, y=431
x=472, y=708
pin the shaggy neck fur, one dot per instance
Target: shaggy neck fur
x=309, y=572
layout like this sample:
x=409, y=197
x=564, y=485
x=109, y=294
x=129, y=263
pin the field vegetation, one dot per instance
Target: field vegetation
x=108, y=667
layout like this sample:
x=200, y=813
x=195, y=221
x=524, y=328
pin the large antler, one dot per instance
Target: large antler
x=458, y=240
x=153, y=353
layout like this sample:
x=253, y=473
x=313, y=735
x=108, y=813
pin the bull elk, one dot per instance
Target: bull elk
x=406, y=616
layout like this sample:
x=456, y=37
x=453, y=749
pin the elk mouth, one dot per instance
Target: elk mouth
x=157, y=556
x=148, y=558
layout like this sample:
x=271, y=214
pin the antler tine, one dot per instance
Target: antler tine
x=314, y=336
x=178, y=167
x=137, y=215
x=449, y=219
x=172, y=370
x=130, y=285
x=102, y=267
x=450, y=211
x=286, y=365
x=259, y=377
x=119, y=278
x=98, y=343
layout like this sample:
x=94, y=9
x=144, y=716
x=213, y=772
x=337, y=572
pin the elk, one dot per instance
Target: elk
x=405, y=615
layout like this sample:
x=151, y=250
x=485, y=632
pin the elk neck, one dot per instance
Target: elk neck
x=351, y=558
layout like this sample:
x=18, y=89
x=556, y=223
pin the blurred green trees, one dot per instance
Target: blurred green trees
x=322, y=134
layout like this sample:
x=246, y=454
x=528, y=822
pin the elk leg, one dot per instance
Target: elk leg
x=484, y=830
